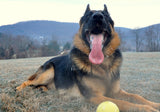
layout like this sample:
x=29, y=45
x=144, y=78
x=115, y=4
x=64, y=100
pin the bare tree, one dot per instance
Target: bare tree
x=157, y=34
x=153, y=38
x=16, y=46
x=138, y=39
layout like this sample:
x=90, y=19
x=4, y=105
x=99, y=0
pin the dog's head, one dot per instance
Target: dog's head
x=96, y=30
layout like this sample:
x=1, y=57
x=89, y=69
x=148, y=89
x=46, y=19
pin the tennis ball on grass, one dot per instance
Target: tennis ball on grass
x=107, y=106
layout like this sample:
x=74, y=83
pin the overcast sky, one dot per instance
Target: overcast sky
x=125, y=13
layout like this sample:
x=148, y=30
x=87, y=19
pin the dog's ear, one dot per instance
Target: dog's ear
x=83, y=17
x=87, y=9
x=105, y=9
x=110, y=19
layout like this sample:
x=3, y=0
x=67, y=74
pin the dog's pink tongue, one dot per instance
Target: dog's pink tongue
x=96, y=55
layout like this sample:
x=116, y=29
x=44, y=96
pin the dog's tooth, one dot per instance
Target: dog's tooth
x=90, y=46
x=102, y=46
x=103, y=38
x=91, y=38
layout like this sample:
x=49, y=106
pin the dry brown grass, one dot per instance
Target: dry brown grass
x=140, y=74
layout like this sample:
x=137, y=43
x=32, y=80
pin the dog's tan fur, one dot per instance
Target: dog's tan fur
x=102, y=85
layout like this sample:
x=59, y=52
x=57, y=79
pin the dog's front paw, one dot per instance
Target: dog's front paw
x=147, y=108
x=156, y=105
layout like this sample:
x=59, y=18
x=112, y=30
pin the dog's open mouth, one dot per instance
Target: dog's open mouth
x=96, y=41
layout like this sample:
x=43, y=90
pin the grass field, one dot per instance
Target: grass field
x=140, y=74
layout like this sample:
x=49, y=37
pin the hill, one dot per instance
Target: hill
x=42, y=29
x=63, y=32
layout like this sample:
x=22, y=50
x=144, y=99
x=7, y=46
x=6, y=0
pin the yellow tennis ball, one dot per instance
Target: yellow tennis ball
x=107, y=106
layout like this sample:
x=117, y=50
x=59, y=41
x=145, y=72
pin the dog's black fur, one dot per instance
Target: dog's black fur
x=97, y=83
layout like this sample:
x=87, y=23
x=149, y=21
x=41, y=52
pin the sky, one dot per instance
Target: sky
x=125, y=13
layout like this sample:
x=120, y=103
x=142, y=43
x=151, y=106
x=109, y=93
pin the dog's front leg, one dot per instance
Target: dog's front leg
x=124, y=106
x=134, y=98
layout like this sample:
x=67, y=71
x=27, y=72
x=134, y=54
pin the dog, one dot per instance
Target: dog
x=92, y=67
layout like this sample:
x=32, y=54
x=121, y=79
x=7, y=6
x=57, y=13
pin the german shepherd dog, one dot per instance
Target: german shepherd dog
x=92, y=67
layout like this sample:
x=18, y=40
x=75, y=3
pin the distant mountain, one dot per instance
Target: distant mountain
x=63, y=32
x=37, y=29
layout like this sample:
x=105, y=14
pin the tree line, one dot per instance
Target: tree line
x=145, y=41
x=24, y=47
x=21, y=46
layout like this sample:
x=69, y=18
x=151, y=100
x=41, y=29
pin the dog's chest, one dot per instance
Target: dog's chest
x=94, y=84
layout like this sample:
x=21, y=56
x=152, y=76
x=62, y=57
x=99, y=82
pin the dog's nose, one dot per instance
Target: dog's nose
x=97, y=16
